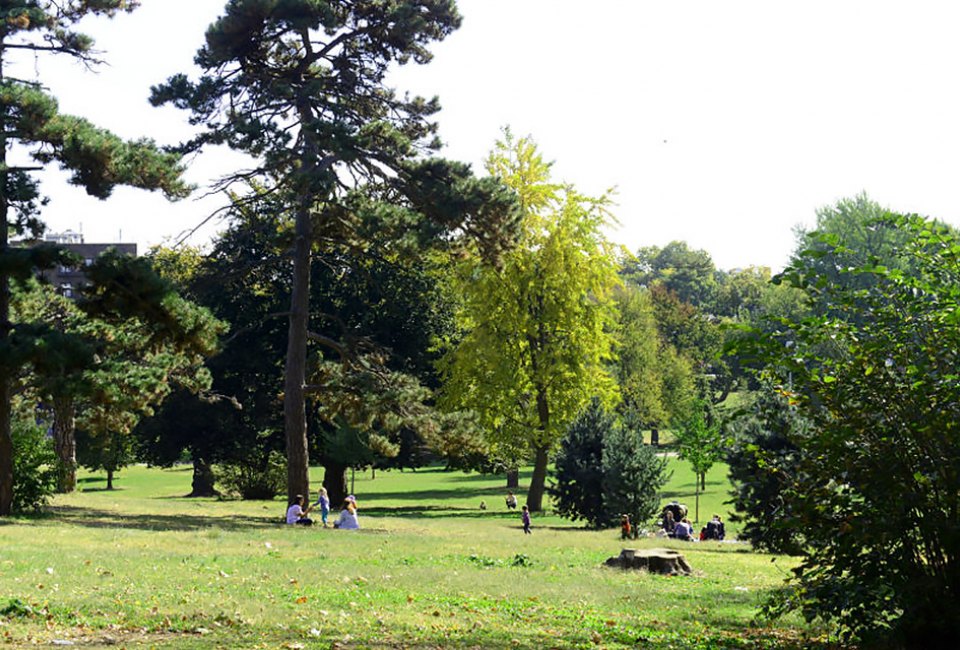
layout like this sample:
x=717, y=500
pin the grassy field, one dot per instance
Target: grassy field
x=142, y=566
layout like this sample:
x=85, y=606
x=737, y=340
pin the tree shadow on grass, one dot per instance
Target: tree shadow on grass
x=429, y=497
x=435, y=512
x=94, y=518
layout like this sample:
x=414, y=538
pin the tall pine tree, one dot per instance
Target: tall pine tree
x=31, y=126
x=299, y=85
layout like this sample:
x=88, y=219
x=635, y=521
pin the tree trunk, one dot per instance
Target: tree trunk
x=6, y=440
x=703, y=482
x=696, y=493
x=203, y=479
x=335, y=480
x=655, y=437
x=294, y=408
x=538, y=481
x=109, y=479
x=65, y=443
x=513, y=478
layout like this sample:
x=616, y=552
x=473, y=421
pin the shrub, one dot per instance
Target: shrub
x=260, y=475
x=34, y=466
x=876, y=485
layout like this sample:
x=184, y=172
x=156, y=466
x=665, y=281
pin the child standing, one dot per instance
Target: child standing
x=525, y=517
x=324, y=502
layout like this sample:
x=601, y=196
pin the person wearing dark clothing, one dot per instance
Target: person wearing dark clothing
x=525, y=518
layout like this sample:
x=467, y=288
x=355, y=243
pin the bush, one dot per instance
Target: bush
x=34, y=466
x=875, y=487
x=262, y=475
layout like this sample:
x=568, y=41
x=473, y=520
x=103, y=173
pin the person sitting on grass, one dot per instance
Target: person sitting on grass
x=683, y=530
x=511, y=501
x=296, y=514
x=669, y=525
x=348, y=517
x=715, y=528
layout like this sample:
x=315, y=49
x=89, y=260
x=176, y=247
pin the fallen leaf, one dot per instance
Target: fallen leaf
x=301, y=600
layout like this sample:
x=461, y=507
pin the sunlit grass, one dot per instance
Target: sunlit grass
x=143, y=565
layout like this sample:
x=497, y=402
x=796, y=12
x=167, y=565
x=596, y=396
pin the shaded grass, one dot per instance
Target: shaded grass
x=144, y=566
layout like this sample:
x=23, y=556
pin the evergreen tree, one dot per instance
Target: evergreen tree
x=577, y=488
x=30, y=122
x=604, y=470
x=300, y=86
x=633, y=476
x=762, y=460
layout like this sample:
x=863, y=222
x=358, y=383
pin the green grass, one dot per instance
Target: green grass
x=143, y=566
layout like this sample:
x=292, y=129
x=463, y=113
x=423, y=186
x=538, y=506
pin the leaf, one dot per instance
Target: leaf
x=301, y=600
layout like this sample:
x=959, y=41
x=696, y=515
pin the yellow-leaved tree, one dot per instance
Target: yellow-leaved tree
x=537, y=330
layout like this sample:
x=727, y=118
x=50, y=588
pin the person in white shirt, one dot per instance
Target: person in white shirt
x=296, y=514
x=348, y=517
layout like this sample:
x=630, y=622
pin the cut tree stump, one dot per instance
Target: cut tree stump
x=654, y=560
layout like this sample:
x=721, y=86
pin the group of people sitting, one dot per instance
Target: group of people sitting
x=297, y=513
x=675, y=523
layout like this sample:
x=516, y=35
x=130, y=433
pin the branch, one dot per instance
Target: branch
x=333, y=344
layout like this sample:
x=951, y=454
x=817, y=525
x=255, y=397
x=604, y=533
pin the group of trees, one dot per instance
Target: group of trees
x=392, y=304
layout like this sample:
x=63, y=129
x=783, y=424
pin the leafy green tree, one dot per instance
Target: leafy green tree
x=763, y=461
x=31, y=124
x=876, y=489
x=577, y=488
x=700, y=443
x=654, y=380
x=538, y=327
x=300, y=86
x=690, y=274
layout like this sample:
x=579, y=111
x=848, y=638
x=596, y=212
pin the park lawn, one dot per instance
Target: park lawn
x=142, y=566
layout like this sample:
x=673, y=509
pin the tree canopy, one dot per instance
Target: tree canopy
x=300, y=87
x=537, y=328
x=875, y=482
x=32, y=125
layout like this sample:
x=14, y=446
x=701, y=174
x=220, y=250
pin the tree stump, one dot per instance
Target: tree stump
x=655, y=560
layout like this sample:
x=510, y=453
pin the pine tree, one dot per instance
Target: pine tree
x=633, y=476
x=604, y=470
x=577, y=489
x=299, y=85
x=98, y=160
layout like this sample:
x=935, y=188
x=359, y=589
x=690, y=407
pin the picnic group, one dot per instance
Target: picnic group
x=298, y=511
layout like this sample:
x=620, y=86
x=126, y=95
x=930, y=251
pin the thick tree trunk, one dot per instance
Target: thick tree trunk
x=538, y=481
x=203, y=479
x=513, y=478
x=65, y=443
x=6, y=441
x=294, y=407
x=109, y=479
x=655, y=437
x=335, y=480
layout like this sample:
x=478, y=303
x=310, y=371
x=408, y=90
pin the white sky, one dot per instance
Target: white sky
x=725, y=124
